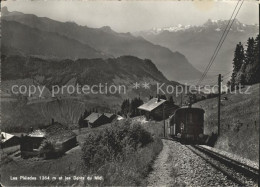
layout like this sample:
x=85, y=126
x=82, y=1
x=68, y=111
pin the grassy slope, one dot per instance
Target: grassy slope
x=54, y=167
x=239, y=122
x=130, y=172
x=19, y=116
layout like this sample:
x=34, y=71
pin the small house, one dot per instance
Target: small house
x=31, y=142
x=9, y=140
x=61, y=138
x=96, y=119
x=110, y=116
x=158, y=109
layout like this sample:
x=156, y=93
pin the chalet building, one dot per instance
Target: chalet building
x=111, y=116
x=61, y=138
x=96, y=119
x=9, y=140
x=30, y=144
x=157, y=109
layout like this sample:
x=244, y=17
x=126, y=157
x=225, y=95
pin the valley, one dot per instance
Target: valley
x=198, y=42
x=90, y=105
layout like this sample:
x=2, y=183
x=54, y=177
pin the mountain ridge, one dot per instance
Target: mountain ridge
x=104, y=39
x=32, y=41
x=221, y=24
x=198, y=43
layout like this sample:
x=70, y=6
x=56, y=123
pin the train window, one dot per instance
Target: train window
x=190, y=117
x=182, y=127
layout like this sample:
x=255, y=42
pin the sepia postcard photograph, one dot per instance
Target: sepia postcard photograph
x=129, y=93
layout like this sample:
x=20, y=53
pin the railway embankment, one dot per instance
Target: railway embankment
x=177, y=165
x=239, y=130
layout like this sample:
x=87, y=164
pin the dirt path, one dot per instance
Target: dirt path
x=162, y=174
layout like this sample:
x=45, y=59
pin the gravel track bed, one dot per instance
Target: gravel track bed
x=177, y=165
x=240, y=176
x=233, y=156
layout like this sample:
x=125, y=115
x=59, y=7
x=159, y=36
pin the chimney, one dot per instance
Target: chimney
x=158, y=100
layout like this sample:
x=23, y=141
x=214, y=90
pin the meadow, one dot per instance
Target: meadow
x=239, y=132
x=128, y=170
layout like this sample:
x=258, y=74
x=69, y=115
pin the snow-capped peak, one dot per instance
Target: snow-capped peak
x=176, y=28
x=216, y=25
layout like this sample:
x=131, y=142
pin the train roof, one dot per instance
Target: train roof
x=151, y=104
x=190, y=108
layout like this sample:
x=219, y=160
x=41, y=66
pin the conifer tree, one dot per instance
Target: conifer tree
x=171, y=100
x=249, y=53
x=238, y=57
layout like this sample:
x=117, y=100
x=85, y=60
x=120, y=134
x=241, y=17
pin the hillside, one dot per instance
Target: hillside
x=173, y=65
x=239, y=122
x=19, y=39
x=199, y=42
x=18, y=113
x=85, y=71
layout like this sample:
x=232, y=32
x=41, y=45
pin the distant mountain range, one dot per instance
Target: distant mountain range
x=217, y=25
x=27, y=34
x=67, y=107
x=198, y=43
x=121, y=70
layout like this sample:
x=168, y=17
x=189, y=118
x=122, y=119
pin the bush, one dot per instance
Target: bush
x=134, y=169
x=114, y=143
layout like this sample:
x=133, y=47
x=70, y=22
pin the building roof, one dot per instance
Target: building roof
x=37, y=133
x=118, y=117
x=5, y=136
x=93, y=117
x=55, y=132
x=59, y=133
x=109, y=115
x=151, y=104
x=190, y=109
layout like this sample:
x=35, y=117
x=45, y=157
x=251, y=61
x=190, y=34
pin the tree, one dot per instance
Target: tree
x=252, y=66
x=131, y=107
x=239, y=57
x=257, y=59
x=249, y=54
x=242, y=79
x=86, y=113
x=246, y=65
x=233, y=81
x=125, y=107
x=162, y=97
x=135, y=103
x=238, y=63
x=171, y=101
x=81, y=122
x=256, y=50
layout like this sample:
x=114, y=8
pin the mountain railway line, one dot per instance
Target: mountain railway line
x=240, y=173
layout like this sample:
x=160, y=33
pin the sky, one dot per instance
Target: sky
x=131, y=16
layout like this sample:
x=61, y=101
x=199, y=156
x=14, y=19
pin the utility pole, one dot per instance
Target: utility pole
x=163, y=121
x=219, y=101
x=181, y=99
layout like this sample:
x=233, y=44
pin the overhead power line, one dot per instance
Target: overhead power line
x=221, y=41
x=217, y=48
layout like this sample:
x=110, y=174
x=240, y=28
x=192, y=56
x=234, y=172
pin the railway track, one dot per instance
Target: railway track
x=239, y=173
